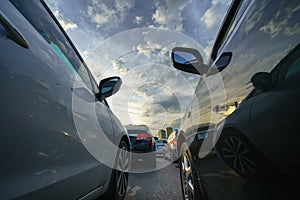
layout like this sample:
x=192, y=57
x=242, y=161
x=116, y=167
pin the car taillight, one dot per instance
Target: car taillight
x=153, y=144
x=143, y=136
x=174, y=142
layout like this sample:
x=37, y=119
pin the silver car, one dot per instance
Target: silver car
x=59, y=139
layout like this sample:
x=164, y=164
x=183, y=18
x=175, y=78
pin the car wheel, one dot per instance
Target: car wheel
x=119, y=178
x=191, y=183
x=237, y=151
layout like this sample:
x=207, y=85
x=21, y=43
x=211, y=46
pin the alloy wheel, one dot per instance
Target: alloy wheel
x=239, y=155
x=123, y=164
x=187, y=177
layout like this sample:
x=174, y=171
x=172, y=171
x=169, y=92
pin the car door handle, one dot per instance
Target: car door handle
x=12, y=31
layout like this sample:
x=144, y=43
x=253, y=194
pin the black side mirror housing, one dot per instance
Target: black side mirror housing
x=263, y=81
x=222, y=62
x=109, y=86
x=188, y=60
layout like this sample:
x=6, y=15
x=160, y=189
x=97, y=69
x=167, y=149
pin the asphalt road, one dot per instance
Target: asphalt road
x=223, y=183
x=220, y=183
x=161, y=183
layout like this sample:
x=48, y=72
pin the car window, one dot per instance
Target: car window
x=287, y=67
x=241, y=10
x=290, y=65
x=229, y=25
x=293, y=69
x=38, y=16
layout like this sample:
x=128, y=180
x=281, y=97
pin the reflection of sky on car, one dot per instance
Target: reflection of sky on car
x=184, y=58
x=277, y=29
x=91, y=22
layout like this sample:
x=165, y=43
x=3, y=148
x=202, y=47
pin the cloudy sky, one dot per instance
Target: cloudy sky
x=133, y=39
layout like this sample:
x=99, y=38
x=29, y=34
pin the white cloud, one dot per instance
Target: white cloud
x=67, y=24
x=107, y=13
x=160, y=15
x=138, y=20
x=170, y=15
x=119, y=66
x=214, y=15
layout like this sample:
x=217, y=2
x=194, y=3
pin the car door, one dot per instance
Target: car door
x=43, y=155
x=274, y=114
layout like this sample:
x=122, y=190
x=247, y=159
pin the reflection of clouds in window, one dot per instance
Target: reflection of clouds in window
x=292, y=30
x=255, y=15
x=281, y=23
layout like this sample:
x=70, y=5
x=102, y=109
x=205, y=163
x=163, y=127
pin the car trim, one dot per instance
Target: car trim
x=201, y=134
x=93, y=194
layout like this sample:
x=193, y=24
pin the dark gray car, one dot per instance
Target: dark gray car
x=59, y=139
x=246, y=105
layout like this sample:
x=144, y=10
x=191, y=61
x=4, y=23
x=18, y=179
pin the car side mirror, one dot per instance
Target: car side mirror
x=109, y=86
x=262, y=80
x=188, y=60
x=221, y=63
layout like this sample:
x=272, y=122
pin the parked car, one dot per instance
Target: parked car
x=170, y=150
x=160, y=145
x=54, y=115
x=142, y=143
x=246, y=102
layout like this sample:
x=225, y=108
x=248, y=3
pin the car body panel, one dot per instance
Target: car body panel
x=246, y=127
x=41, y=149
x=250, y=25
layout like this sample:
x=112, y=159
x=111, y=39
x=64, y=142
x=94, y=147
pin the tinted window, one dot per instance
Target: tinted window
x=242, y=8
x=136, y=131
x=293, y=69
x=42, y=21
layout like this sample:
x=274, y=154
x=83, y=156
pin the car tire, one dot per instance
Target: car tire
x=242, y=156
x=191, y=183
x=119, y=179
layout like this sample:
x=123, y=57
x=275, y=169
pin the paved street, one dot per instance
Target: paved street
x=223, y=183
x=220, y=183
x=163, y=183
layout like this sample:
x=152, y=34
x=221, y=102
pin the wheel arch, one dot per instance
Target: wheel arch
x=181, y=139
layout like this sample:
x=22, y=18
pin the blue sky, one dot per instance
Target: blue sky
x=133, y=39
